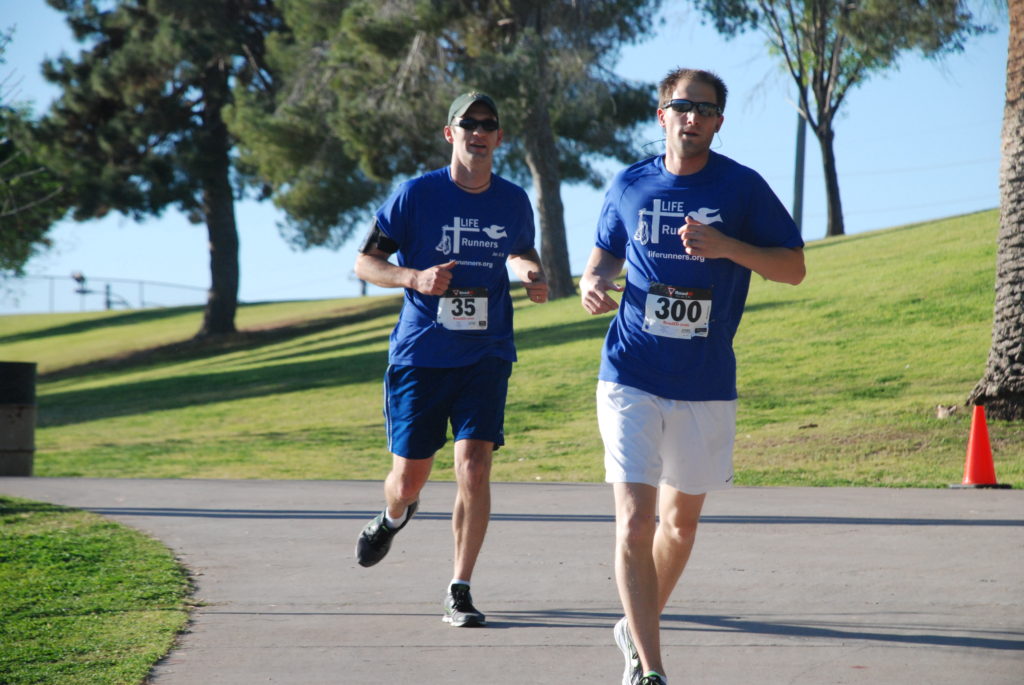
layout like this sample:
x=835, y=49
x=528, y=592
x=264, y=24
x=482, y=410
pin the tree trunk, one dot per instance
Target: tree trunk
x=825, y=136
x=222, y=297
x=219, y=209
x=1001, y=389
x=542, y=158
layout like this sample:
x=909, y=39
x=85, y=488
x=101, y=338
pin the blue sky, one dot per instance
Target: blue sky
x=918, y=143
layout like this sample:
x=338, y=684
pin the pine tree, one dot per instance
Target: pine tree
x=140, y=124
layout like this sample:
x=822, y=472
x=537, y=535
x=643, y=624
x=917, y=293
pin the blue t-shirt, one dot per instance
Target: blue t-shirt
x=643, y=210
x=434, y=222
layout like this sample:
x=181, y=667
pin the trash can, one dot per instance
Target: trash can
x=17, y=418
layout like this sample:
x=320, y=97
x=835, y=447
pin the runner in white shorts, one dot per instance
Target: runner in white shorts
x=689, y=226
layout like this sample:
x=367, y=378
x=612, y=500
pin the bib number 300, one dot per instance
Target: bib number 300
x=463, y=309
x=681, y=313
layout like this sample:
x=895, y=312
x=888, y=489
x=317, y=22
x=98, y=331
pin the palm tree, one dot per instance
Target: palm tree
x=1001, y=389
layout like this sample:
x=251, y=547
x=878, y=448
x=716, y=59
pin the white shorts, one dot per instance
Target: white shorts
x=653, y=440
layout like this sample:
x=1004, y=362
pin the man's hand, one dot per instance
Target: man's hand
x=435, y=280
x=594, y=294
x=701, y=240
x=536, y=286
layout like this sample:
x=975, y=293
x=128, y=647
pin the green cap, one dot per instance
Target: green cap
x=466, y=100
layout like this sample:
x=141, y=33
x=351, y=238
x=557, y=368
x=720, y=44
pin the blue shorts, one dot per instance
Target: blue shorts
x=420, y=401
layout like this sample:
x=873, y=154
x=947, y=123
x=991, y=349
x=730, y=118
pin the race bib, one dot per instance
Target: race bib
x=681, y=313
x=463, y=309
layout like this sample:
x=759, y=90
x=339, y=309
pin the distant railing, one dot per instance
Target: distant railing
x=43, y=293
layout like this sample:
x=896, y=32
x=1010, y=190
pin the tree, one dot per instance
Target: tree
x=831, y=46
x=31, y=197
x=287, y=142
x=1001, y=389
x=139, y=125
x=394, y=66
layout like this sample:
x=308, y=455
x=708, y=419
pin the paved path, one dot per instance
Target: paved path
x=786, y=585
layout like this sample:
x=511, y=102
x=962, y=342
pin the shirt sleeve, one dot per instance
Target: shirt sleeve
x=392, y=217
x=526, y=237
x=770, y=223
x=611, y=229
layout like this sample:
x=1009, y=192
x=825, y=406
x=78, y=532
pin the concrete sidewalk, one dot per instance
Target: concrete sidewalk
x=786, y=585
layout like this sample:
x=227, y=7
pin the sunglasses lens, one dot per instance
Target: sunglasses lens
x=705, y=109
x=471, y=124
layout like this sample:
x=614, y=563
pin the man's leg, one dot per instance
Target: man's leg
x=472, y=510
x=401, y=490
x=470, y=516
x=674, y=538
x=636, y=572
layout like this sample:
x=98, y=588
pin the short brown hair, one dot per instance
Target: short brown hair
x=668, y=84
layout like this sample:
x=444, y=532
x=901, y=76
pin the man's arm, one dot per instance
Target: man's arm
x=373, y=266
x=782, y=264
x=527, y=267
x=598, y=278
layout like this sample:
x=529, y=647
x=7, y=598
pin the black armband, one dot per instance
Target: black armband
x=375, y=239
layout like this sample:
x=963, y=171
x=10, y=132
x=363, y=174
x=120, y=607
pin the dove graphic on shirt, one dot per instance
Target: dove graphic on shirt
x=706, y=216
x=495, y=232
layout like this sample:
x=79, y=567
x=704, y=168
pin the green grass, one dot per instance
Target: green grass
x=838, y=378
x=84, y=601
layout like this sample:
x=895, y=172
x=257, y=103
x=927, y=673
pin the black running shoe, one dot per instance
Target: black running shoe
x=459, y=609
x=653, y=679
x=375, y=540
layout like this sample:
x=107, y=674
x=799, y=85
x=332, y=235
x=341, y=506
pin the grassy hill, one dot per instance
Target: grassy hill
x=839, y=379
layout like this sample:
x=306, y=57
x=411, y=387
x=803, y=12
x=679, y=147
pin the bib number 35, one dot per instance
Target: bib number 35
x=463, y=309
x=681, y=313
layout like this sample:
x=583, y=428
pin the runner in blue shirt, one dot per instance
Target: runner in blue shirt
x=689, y=226
x=451, y=352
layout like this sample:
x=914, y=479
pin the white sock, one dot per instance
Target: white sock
x=458, y=581
x=395, y=524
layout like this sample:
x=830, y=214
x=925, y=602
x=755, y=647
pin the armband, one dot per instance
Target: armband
x=375, y=239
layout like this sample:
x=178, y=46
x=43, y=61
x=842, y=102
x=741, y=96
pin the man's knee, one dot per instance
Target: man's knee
x=473, y=464
x=680, y=515
x=678, y=532
x=407, y=478
x=635, y=529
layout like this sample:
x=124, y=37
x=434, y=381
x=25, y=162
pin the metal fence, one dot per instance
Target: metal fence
x=34, y=294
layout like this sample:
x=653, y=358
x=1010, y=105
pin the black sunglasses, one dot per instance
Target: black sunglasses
x=705, y=109
x=471, y=124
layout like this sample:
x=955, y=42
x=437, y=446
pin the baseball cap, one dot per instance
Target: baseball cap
x=466, y=100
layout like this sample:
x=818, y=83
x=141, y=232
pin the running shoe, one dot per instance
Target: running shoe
x=633, y=672
x=375, y=540
x=459, y=609
x=652, y=679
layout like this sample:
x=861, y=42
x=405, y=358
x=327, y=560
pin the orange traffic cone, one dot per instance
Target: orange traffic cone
x=979, y=471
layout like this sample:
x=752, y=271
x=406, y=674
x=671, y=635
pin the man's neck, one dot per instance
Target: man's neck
x=475, y=178
x=684, y=166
